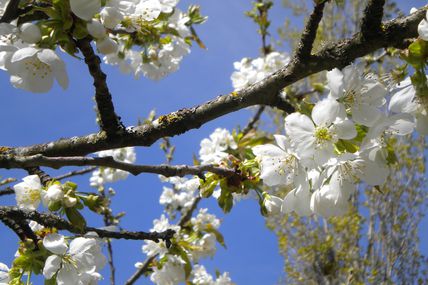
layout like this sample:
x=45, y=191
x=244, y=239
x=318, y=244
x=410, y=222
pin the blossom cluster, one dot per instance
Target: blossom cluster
x=30, y=192
x=198, y=237
x=77, y=263
x=144, y=37
x=105, y=175
x=249, y=71
x=326, y=153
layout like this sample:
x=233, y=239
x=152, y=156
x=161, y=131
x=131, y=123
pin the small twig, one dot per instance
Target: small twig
x=141, y=270
x=109, y=121
x=7, y=181
x=52, y=221
x=58, y=162
x=145, y=267
x=7, y=191
x=75, y=173
x=188, y=215
x=253, y=120
x=310, y=32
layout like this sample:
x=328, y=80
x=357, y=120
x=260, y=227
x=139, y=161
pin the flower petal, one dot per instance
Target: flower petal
x=55, y=243
x=365, y=114
x=326, y=111
x=52, y=265
x=345, y=129
x=335, y=83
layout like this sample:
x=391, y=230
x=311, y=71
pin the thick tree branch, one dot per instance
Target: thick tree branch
x=371, y=24
x=310, y=32
x=49, y=220
x=11, y=12
x=58, y=162
x=109, y=121
x=337, y=54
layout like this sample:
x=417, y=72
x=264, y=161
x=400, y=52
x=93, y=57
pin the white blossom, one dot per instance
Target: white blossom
x=151, y=248
x=168, y=5
x=423, y=28
x=278, y=163
x=224, y=279
x=96, y=29
x=404, y=100
x=204, y=247
x=172, y=272
x=34, y=69
x=249, y=71
x=108, y=175
x=78, y=263
x=203, y=219
x=200, y=276
x=315, y=139
x=111, y=17
x=53, y=194
x=361, y=95
x=85, y=9
x=4, y=274
x=213, y=149
x=272, y=204
x=28, y=192
x=30, y=33
x=107, y=46
x=148, y=10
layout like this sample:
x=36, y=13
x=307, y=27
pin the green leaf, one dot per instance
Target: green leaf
x=219, y=237
x=225, y=201
x=74, y=216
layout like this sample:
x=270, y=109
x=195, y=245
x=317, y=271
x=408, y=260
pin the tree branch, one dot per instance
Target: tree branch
x=338, y=54
x=145, y=267
x=254, y=120
x=75, y=173
x=163, y=169
x=109, y=121
x=11, y=12
x=7, y=191
x=141, y=270
x=371, y=24
x=49, y=220
x=310, y=32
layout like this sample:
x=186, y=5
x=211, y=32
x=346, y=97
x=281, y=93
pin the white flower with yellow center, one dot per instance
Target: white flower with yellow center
x=361, y=95
x=28, y=192
x=34, y=69
x=278, y=164
x=74, y=264
x=315, y=139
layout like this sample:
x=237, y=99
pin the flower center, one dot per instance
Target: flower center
x=349, y=172
x=31, y=195
x=68, y=259
x=37, y=68
x=322, y=134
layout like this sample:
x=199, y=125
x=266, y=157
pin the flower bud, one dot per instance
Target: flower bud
x=107, y=46
x=30, y=33
x=110, y=17
x=96, y=29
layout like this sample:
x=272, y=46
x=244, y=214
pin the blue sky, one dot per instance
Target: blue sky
x=252, y=256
